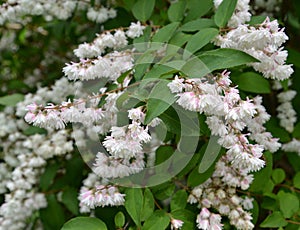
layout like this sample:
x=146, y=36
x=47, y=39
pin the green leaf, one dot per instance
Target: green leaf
x=165, y=33
x=253, y=83
x=23, y=36
x=294, y=57
x=16, y=84
x=275, y=220
x=191, y=165
x=195, y=178
x=187, y=216
x=293, y=159
x=122, y=99
x=255, y=20
x=162, y=153
x=157, y=71
x=255, y=211
x=11, y=100
x=296, y=180
x=180, y=121
x=83, y=223
x=262, y=177
x=53, y=210
x=278, y=175
x=214, y=60
x=134, y=204
x=225, y=58
x=47, y=177
x=179, y=200
x=31, y=130
x=148, y=205
x=211, y=153
x=224, y=12
x=268, y=186
x=159, y=220
x=176, y=11
x=288, y=203
x=70, y=200
x=197, y=9
x=163, y=191
x=199, y=40
x=128, y=4
x=74, y=169
x=160, y=99
x=209, y=61
x=179, y=39
x=123, y=76
x=198, y=24
x=119, y=220
x=270, y=202
x=142, y=64
x=296, y=131
x=143, y=9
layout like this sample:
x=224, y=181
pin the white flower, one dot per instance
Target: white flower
x=292, y=146
x=189, y=101
x=216, y=126
x=286, y=96
x=176, y=224
x=101, y=196
x=136, y=114
x=205, y=213
x=176, y=86
x=248, y=203
x=224, y=209
x=135, y=30
x=120, y=38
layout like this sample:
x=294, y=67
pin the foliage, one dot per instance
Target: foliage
x=179, y=42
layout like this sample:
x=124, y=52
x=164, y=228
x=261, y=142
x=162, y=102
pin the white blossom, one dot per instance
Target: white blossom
x=135, y=30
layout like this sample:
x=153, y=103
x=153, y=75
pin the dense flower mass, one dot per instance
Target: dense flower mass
x=122, y=120
x=26, y=157
x=264, y=42
x=19, y=10
x=227, y=116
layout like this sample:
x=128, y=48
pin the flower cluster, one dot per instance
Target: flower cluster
x=101, y=14
x=125, y=156
x=292, y=146
x=238, y=122
x=92, y=194
x=92, y=65
x=176, y=224
x=262, y=42
x=207, y=220
x=124, y=144
x=57, y=117
x=267, y=6
x=26, y=156
x=228, y=116
x=108, y=40
x=110, y=66
x=286, y=113
x=102, y=196
x=220, y=193
x=17, y=10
